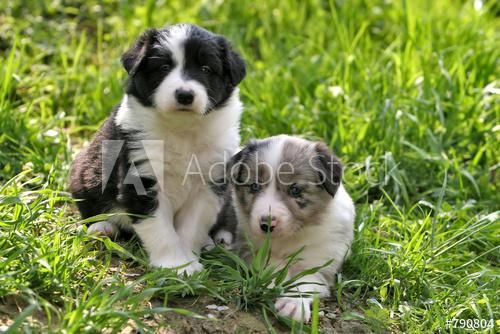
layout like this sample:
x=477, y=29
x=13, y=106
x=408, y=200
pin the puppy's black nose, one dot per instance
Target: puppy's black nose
x=267, y=223
x=184, y=96
x=266, y=227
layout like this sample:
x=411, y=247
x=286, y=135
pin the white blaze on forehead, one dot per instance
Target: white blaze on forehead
x=271, y=155
x=270, y=200
x=174, y=40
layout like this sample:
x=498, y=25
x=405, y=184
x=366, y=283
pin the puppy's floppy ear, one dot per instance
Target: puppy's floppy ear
x=234, y=65
x=133, y=58
x=329, y=168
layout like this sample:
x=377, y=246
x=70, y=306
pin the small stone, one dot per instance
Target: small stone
x=331, y=315
x=321, y=314
x=212, y=307
x=222, y=308
x=211, y=316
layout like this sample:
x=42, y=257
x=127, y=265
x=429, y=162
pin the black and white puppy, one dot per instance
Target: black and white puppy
x=153, y=158
x=291, y=188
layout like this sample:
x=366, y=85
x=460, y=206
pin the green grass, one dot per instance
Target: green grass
x=405, y=92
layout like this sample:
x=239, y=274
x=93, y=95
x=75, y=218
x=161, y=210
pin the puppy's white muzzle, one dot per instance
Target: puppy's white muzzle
x=177, y=94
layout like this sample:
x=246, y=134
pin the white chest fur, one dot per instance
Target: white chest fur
x=186, y=151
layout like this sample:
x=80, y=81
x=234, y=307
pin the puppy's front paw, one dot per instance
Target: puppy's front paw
x=181, y=263
x=193, y=267
x=224, y=238
x=208, y=245
x=103, y=228
x=298, y=309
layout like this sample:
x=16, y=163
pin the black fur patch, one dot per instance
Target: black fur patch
x=242, y=157
x=226, y=68
x=226, y=219
x=86, y=183
x=147, y=66
x=329, y=168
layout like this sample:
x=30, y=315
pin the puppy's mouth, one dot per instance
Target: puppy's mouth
x=186, y=109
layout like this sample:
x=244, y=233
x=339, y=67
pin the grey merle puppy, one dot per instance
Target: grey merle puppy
x=290, y=189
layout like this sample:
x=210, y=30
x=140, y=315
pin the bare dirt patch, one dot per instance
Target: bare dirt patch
x=231, y=320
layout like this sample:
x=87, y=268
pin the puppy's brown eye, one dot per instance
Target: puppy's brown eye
x=254, y=187
x=206, y=69
x=294, y=190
